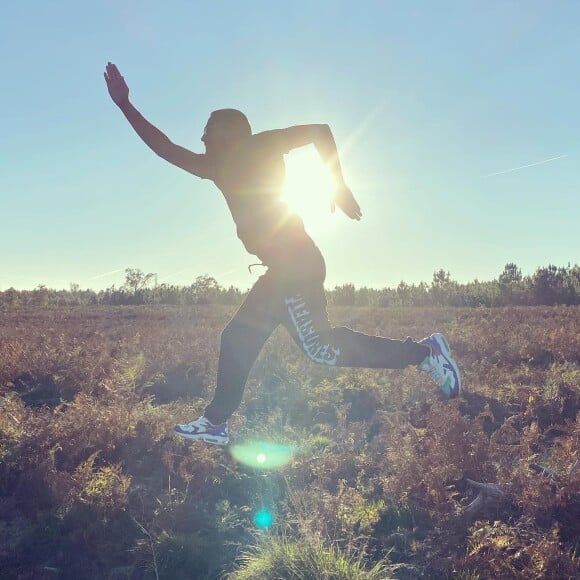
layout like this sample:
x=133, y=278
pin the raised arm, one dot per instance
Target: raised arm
x=155, y=139
x=323, y=140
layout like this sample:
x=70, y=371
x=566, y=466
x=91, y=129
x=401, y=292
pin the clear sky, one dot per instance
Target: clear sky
x=457, y=123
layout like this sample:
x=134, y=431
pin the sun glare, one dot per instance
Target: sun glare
x=308, y=190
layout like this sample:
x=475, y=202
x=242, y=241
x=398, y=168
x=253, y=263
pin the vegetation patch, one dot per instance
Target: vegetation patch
x=386, y=478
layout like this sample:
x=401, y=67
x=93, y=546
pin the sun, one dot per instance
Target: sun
x=308, y=190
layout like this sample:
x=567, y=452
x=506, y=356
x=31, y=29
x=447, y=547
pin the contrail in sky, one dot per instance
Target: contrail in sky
x=528, y=165
x=99, y=276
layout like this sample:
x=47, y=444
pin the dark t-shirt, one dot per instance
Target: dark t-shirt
x=251, y=177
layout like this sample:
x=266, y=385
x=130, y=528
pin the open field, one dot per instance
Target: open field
x=93, y=484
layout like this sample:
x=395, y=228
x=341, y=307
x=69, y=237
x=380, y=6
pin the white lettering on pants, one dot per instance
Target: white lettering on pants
x=310, y=340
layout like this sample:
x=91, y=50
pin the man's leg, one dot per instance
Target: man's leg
x=241, y=343
x=306, y=318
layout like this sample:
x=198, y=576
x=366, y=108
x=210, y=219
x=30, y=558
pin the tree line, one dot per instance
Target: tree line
x=549, y=285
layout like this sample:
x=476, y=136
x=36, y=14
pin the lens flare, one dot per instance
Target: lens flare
x=262, y=455
x=264, y=519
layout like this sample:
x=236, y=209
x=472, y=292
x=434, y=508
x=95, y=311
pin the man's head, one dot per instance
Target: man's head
x=225, y=128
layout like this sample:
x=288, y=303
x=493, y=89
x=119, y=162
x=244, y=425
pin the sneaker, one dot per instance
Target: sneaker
x=440, y=366
x=201, y=429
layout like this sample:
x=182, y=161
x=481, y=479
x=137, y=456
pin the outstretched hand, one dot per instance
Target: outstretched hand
x=116, y=84
x=344, y=199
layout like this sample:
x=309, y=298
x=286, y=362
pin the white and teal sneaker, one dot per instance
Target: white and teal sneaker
x=440, y=366
x=203, y=430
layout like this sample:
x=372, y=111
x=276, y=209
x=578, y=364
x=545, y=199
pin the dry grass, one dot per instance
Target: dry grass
x=93, y=484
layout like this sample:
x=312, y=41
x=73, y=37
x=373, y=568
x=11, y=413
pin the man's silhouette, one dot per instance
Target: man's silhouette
x=248, y=168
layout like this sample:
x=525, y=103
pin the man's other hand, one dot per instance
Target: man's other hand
x=344, y=199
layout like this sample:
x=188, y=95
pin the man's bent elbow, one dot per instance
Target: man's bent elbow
x=322, y=132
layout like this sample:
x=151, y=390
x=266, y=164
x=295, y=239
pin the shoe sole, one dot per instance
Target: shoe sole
x=205, y=438
x=446, y=353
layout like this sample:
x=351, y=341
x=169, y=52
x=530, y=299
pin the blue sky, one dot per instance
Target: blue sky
x=457, y=123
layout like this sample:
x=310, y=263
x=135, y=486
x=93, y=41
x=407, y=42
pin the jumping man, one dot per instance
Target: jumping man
x=249, y=170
